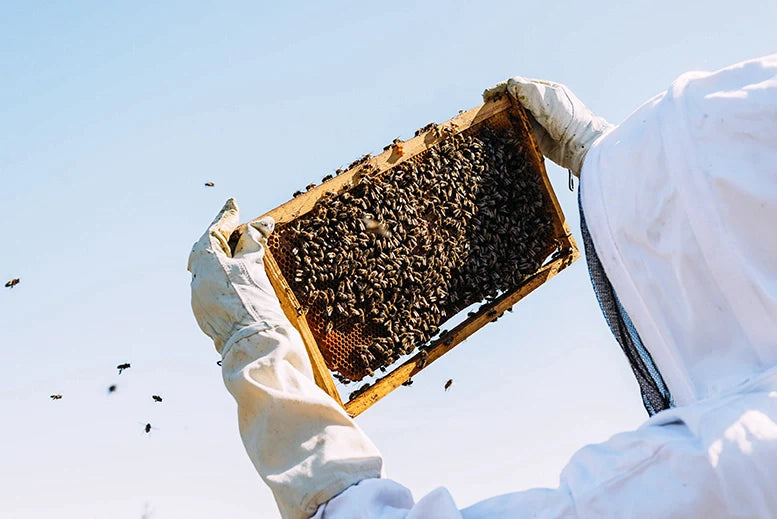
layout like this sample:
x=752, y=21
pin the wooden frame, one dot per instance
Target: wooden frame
x=565, y=253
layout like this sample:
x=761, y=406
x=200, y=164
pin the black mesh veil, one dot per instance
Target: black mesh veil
x=655, y=394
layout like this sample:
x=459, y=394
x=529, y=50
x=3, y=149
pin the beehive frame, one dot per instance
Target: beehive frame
x=565, y=253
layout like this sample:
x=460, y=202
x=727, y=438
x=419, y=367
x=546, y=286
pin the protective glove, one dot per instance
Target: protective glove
x=302, y=443
x=563, y=126
x=230, y=293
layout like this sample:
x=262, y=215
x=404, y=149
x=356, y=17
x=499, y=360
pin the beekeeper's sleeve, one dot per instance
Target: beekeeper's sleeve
x=300, y=440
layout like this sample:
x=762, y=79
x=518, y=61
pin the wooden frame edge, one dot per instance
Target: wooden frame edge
x=295, y=314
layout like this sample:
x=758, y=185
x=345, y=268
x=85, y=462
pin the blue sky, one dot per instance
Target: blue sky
x=112, y=115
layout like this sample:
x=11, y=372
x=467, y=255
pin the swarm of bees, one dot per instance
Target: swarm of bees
x=380, y=266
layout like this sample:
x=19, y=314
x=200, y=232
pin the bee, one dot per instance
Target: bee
x=209, y=184
x=408, y=382
x=327, y=177
x=448, y=384
x=296, y=194
x=12, y=283
x=156, y=398
x=218, y=363
x=147, y=428
x=373, y=226
x=111, y=388
x=55, y=397
x=122, y=367
x=422, y=359
x=397, y=145
x=310, y=186
x=425, y=129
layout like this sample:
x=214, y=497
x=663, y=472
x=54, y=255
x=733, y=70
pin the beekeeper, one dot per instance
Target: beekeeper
x=679, y=204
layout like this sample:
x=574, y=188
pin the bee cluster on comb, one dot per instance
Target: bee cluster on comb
x=379, y=265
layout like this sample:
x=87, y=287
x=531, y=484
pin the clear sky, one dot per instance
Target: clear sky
x=114, y=114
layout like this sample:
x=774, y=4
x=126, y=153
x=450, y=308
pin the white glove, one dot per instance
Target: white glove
x=564, y=127
x=302, y=443
x=230, y=293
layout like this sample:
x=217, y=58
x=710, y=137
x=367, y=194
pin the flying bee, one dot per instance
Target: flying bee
x=122, y=367
x=111, y=388
x=209, y=184
x=55, y=397
x=146, y=427
x=218, y=363
x=12, y=283
x=156, y=398
x=373, y=226
x=448, y=384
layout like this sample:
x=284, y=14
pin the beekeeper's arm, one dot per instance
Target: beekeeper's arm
x=300, y=440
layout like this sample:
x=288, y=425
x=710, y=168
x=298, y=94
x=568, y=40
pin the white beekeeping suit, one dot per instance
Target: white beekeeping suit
x=680, y=201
